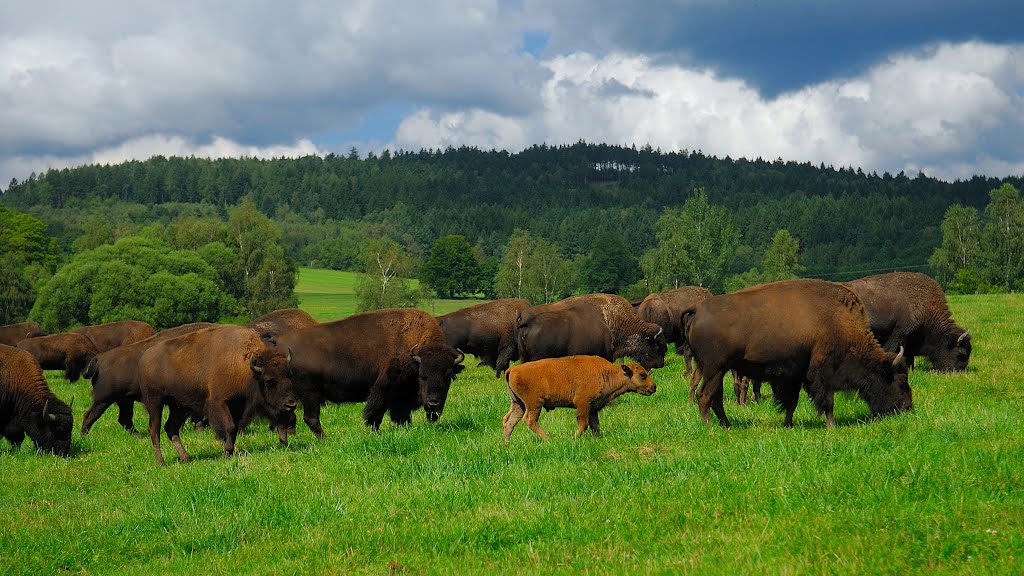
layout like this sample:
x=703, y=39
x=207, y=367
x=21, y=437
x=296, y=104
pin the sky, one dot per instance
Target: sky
x=933, y=86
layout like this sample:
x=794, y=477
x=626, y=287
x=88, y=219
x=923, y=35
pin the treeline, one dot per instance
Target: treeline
x=847, y=221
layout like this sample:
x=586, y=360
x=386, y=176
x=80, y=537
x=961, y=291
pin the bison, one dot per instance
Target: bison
x=28, y=406
x=395, y=360
x=577, y=330
x=909, y=309
x=113, y=334
x=270, y=326
x=665, y=309
x=631, y=336
x=586, y=383
x=115, y=377
x=68, y=351
x=791, y=333
x=225, y=372
x=11, y=334
x=487, y=331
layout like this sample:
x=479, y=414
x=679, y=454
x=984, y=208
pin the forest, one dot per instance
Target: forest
x=602, y=210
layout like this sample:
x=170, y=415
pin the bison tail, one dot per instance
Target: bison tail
x=91, y=369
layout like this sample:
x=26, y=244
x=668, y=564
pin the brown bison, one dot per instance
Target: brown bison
x=68, y=351
x=792, y=333
x=909, y=309
x=28, y=406
x=115, y=377
x=395, y=360
x=586, y=383
x=631, y=336
x=577, y=330
x=225, y=372
x=270, y=326
x=666, y=309
x=114, y=334
x=11, y=334
x=487, y=331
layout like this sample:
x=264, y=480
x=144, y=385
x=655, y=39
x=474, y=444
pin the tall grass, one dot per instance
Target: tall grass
x=934, y=491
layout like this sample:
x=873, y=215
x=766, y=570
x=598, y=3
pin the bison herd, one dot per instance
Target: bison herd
x=822, y=337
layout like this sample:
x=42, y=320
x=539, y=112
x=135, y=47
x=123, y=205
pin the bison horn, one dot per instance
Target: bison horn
x=660, y=330
x=898, y=358
x=288, y=358
x=253, y=366
x=966, y=334
x=415, y=356
x=462, y=356
x=46, y=412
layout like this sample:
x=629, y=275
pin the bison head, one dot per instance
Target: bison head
x=892, y=394
x=437, y=364
x=51, y=429
x=639, y=379
x=272, y=371
x=647, y=346
x=952, y=352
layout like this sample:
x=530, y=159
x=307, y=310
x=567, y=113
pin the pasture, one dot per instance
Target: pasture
x=331, y=294
x=938, y=490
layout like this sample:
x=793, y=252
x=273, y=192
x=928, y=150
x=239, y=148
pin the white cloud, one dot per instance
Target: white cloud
x=939, y=111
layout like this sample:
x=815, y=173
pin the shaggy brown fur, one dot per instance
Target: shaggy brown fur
x=395, y=360
x=631, y=336
x=270, y=326
x=115, y=377
x=487, y=331
x=792, y=333
x=909, y=309
x=113, y=334
x=666, y=309
x=586, y=383
x=225, y=372
x=11, y=334
x=28, y=406
x=69, y=352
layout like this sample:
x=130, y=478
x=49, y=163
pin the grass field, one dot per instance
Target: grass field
x=936, y=491
x=330, y=295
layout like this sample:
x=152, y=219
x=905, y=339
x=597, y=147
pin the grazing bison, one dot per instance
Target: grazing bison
x=909, y=309
x=28, y=406
x=11, y=334
x=792, y=333
x=68, y=351
x=631, y=336
x=225, y=372
x=586, y=383
x=487, y=331
x=577, y=330
x=395, y=360
x=113, y=334
x=115, y=377
x=666, y=309
x=270, y=326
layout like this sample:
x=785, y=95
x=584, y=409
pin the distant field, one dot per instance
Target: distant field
x=936, y=491
x=330, y=295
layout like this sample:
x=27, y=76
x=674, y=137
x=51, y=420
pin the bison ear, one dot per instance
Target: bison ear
x=627, y=371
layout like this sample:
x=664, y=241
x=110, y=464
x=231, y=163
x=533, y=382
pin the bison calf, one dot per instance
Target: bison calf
x=587, y=383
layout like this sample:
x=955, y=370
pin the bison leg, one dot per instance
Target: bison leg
x=582, y=419
x=155, y=410
x=595, y=423
x=695, y=379
x=532, y=414
x=514, y=415
x=506, y=355
x=175, y=419
x=710, y=398
x=740, y=385
x=126, y=415
x=15, y=436
x=95, y=410
x=376, y=406
x=311, y=416
x=756, y=385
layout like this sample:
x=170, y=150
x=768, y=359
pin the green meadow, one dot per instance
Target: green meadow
x=937, y=491
x=331, y=294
